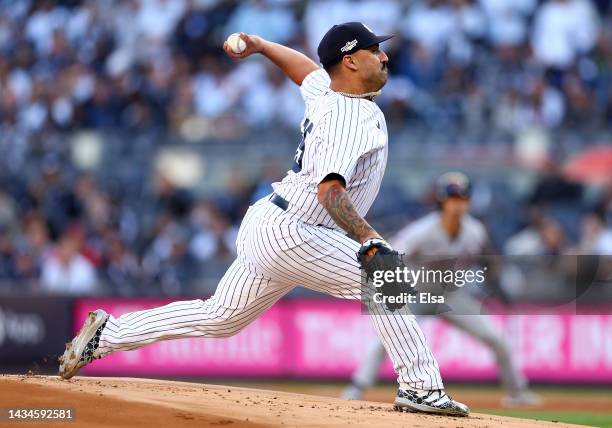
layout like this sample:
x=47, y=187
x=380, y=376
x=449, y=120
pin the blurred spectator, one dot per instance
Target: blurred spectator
x=552, y=187
x=8, y=211
x=167, y=263
x=66, y=271
x=214, y=237
x=430, y=24
x=54, y=196
x=543, y=236
x=596, y=237
x=32, y=249
x=7, y=264
x=122, y=271
x=271, y=20
x=170, y=200
x=156, y=19
x=507, y=21
x=563, y=30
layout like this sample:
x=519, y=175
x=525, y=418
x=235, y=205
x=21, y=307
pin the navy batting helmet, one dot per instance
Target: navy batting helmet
x=453, y=184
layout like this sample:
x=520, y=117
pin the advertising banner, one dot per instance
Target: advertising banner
x=318, y=338
x=32, y=327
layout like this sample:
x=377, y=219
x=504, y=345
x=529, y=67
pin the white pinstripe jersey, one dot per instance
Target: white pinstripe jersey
x=278, y=250
x=426, y=237
x=342, y=135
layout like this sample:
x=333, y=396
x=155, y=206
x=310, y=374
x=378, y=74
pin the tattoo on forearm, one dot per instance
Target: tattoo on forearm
x=339, y=206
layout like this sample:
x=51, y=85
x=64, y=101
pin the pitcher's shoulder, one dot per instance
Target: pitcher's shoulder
x=327, y=104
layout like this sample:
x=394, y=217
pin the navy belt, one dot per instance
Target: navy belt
x=279, y=201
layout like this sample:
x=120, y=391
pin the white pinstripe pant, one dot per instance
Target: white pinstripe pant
x=276, y=254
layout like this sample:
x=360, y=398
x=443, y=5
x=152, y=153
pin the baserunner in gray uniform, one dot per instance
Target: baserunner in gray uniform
x=450, y=231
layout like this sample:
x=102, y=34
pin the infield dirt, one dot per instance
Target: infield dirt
x=126, y=402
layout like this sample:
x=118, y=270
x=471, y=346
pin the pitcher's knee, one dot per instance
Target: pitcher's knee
x=224, y=332
x=223, y=327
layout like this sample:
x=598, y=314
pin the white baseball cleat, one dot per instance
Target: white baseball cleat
x=522, y=399
x=83, y=348
x=435, y=401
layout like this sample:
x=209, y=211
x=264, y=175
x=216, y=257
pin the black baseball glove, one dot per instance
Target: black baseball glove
x=386, y=258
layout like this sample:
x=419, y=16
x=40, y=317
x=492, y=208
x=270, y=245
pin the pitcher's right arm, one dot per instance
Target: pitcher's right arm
x=294, y=64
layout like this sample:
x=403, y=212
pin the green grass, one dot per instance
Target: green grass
x=601, y=420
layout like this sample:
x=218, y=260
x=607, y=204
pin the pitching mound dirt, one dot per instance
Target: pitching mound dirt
x=125, y=402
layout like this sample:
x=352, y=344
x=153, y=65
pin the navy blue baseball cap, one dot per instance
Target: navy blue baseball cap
x=453, y=184
x=344, y=39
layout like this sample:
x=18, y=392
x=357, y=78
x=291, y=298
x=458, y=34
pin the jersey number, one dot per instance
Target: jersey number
x=299, y=153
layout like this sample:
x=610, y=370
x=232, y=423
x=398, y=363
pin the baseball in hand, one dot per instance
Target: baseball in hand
x=235, y=43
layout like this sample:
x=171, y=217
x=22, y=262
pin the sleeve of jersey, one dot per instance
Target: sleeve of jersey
x=341, y=143
x=315, y=84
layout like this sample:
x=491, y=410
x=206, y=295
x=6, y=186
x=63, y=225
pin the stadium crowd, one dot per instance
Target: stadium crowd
x=155, y=66
x=508, y=64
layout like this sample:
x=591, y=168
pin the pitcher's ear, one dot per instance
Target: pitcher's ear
x=349, y=61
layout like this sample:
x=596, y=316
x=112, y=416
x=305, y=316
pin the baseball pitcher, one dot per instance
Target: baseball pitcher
x=308, y=232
